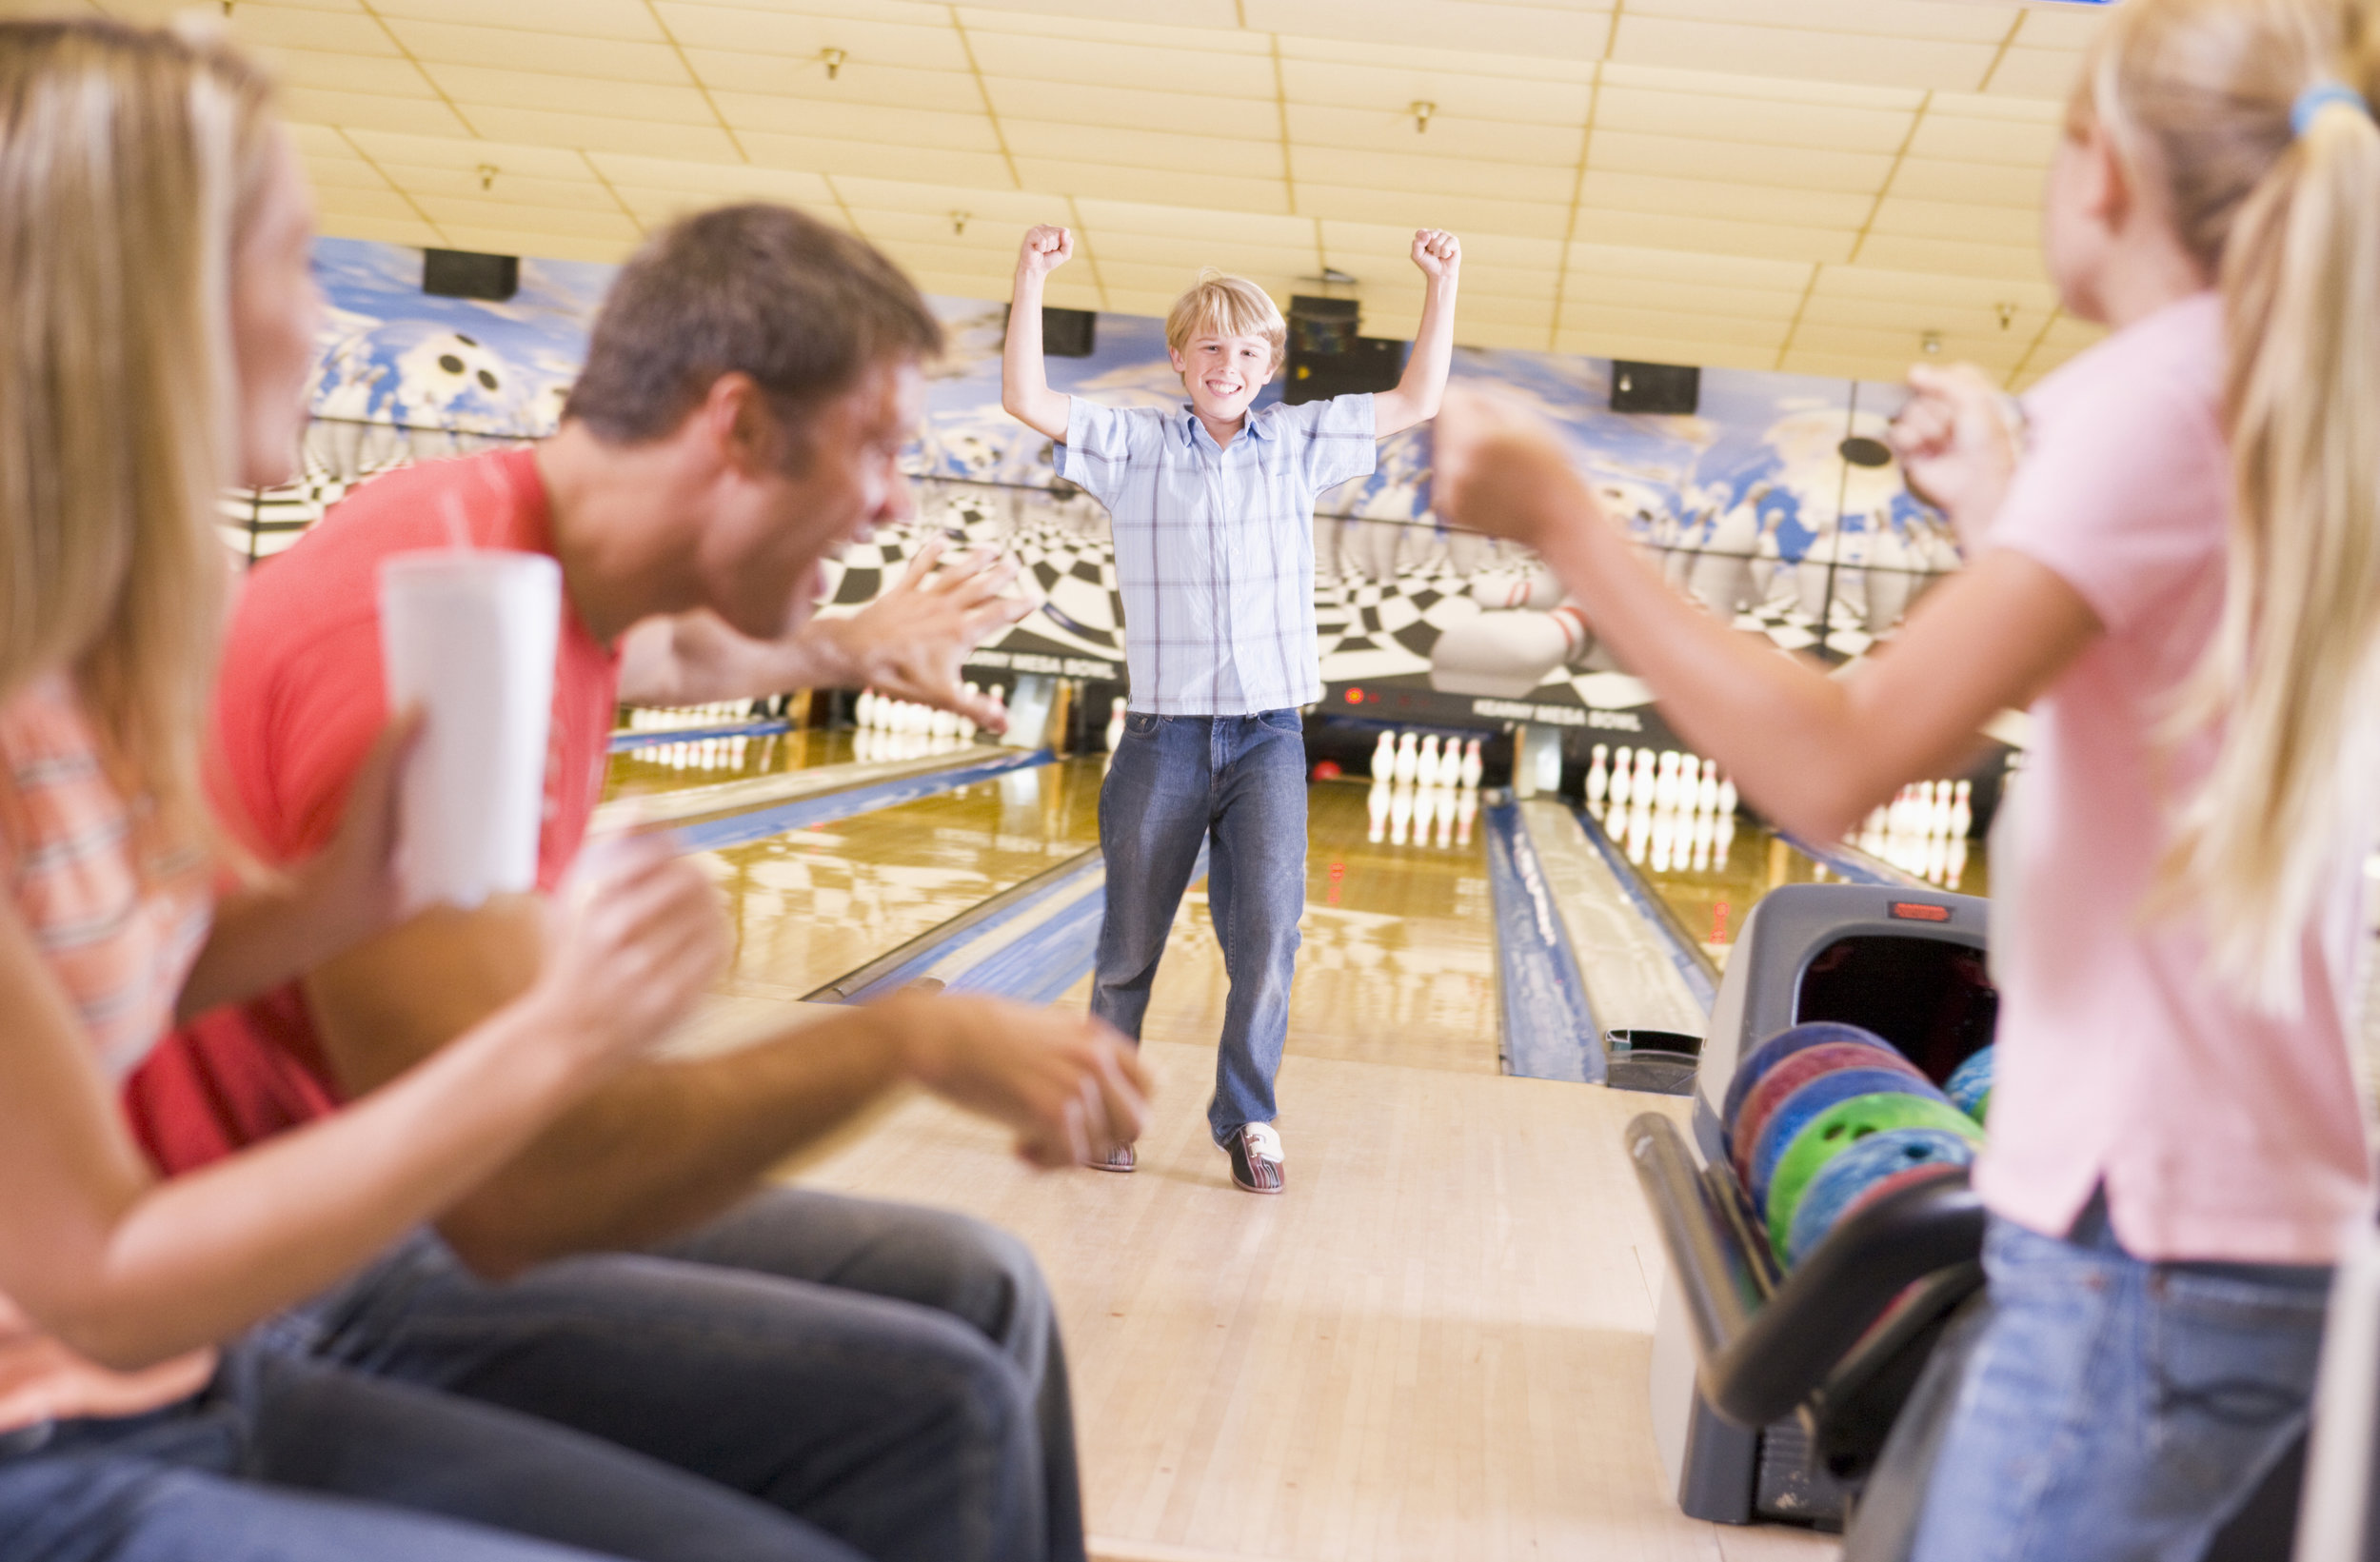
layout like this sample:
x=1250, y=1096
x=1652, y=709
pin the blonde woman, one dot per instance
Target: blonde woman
x=153, y=238
x=2180, y=574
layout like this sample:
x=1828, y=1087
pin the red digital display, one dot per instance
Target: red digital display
x=1917, y=911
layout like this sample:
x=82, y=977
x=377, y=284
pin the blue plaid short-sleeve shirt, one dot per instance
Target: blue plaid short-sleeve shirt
x=1214, y=545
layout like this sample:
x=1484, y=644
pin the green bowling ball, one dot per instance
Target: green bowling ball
x=1838, y=1129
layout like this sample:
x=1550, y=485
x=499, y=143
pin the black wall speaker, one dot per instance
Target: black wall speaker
x=1067, y=333
x=1655, y=388
x=461, y=273
x=1328, y=358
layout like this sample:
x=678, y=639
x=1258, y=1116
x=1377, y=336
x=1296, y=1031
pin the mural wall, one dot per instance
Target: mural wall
x=1775, y=504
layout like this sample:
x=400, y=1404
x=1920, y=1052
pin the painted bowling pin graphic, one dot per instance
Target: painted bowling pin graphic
x=1506, y=655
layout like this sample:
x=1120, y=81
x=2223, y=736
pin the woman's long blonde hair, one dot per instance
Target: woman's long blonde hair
x=130, y=163
x=2197, y=96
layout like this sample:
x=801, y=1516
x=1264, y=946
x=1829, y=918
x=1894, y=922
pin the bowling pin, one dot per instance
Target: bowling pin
x=1709, y=796
x=1962, y=810
x=1646, y=793
x=1379, y=804
x=1384, y=757
x=1665, y=781
x=1624, y=776
x=1472, y=767
x=1598, y=780
x=999, y=699
x=864, y=709
x=1426, y=768
x=1408, y=758
x=945, y=723
x=1115, y=723
x=1727, y=797
x=967, y=724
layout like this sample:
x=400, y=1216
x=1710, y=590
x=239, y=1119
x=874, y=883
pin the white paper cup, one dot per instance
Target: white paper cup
x=469, y=636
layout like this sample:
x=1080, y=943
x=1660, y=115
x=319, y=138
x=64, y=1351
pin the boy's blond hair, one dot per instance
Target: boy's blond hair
x=1227, y=305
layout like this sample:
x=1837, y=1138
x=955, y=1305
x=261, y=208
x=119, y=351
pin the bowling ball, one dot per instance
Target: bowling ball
x=1793, y=1073
x=1838, y=1129
x=1970, y=1085
x=1326, y=770
x=1795, y=1112
x=1775, y=1050
x=1880, y=1164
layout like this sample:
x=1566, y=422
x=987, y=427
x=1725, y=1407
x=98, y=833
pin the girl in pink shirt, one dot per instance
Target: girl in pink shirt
x=2175, y=562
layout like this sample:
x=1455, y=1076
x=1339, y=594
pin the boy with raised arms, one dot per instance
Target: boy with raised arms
x=1213, y=508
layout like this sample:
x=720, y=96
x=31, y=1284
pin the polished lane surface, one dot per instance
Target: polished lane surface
x=1398, y=959
x=811, y=905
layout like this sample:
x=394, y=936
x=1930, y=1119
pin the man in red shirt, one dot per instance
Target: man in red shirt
x=890, y=1374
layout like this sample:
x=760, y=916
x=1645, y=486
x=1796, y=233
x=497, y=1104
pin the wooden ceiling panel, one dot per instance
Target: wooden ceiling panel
x=1683, y=325
x=1462, y=213
x=1194, y=228
x=1225, y=196
x=571, y=18
x=1529, y=66
x=1935, y=19
x=1594, y=255
x=1217, y=14
x=461, y=153
x=948, y=131
x=2016, y=186
x=597, y=132
x=1529, y=337
x=1338, y=84
x=585, y=192
x=1354, y=245
x=1253, y=159
x=355, y=200
x=1077, y=104
x=680, y=104
x=924, y=40
x=875, y=159
x=1680, y=297
x=589, y=58
x=1219, y=250
x=387, y=75
x=875, y=86
x=1610, y=191
x=1577, y=32
x=1872, y=131
x=2037, y=73
x=1090, y=62
x=347, y=30
x=941, y=200
x=1715, y=235
x=343, y=173
x=1902, y=214
x=1391, y=129
x=1886, y=345
x=1850, y=57
x=1430, y=176
x=1232, y=40
x=1746, y=162
x=370, y=111
x=1897, y=252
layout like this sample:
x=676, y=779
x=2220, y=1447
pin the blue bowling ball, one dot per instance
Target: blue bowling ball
x=1969, y=1087
x=1774, y=1051
x=1896, y=1157
x=1794, y=1114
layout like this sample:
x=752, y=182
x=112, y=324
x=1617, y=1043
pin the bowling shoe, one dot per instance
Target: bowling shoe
x=1255, y=1159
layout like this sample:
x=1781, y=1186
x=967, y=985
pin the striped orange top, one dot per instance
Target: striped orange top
x=118, y=929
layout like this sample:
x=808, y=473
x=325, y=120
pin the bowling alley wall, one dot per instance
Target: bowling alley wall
x=1776, y=504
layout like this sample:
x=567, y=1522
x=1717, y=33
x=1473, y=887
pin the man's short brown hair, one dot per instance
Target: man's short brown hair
x=758, y=290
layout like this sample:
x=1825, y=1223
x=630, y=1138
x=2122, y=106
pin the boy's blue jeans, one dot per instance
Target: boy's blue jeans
x=1241, y=783
x=2115, y=1409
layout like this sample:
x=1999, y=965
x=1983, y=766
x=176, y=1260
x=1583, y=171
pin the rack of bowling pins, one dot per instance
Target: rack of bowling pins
x=1419, y=787
x=901, y=729
x=1923, y=830
x=720, y=751
x=1665, y=808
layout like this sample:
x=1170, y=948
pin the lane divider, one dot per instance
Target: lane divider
x=979, y=922
x=1694, y=963
x=1853, y=866
x=741, y=829
x=1548, y=1030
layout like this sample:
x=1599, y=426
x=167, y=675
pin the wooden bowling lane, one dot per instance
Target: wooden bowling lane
x=810, y=904
x=1434, y=1346
x=1398, y=961
x=670, y=767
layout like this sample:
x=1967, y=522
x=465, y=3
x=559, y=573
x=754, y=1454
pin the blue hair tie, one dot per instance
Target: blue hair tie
x=2320, y=96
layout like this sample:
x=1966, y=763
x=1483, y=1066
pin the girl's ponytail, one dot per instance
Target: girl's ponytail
x=2253, y=120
